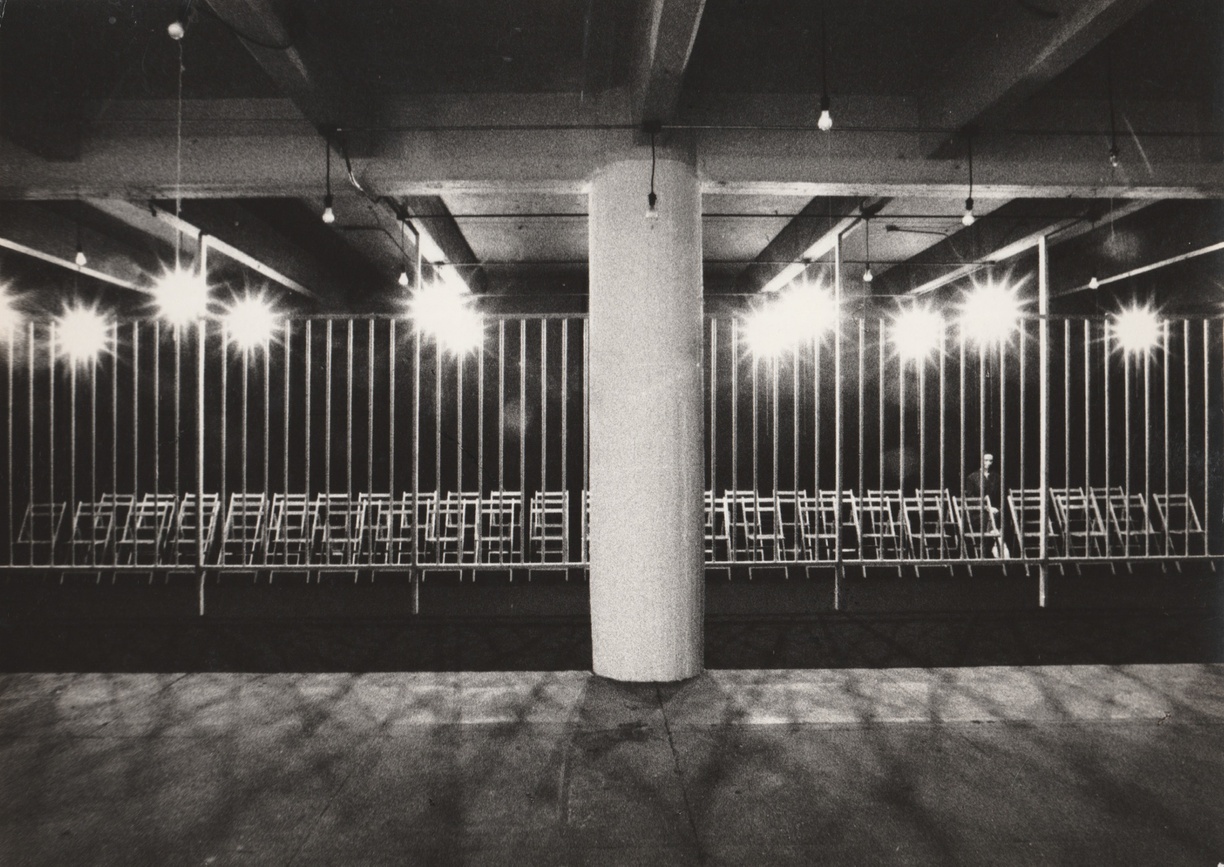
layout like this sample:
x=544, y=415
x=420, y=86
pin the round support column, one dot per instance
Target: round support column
x=646, y=422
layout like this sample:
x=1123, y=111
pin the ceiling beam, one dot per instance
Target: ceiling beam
x=666, y=34
x=434, y=221
x=39, y=231
x=1016, y=53
x=1006, y=232
x=232, y=233
x=1123, y=241
x=296, y=63
x=316, y=88
x=275, y=161
x=808, y=236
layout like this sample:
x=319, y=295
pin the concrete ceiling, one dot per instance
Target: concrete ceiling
x=475, y=125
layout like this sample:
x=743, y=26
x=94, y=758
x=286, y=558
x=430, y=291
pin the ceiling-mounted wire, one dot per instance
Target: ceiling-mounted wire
x=79, y=258
x=867, y=275
x=1114, y=157
x=653, y=128
x=968, y=218
x=178, y=164
x=403, y=276
x=329, y=216
x=825, y=122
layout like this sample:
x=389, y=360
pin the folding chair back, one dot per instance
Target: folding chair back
x=194, y=525
x=98, y=526
x=335, y=527
x=549, y=518
x=499, y=533
x=978, y=523
x=1024, y=504
x=289, y=529
x=1126, y=519
x=1082, y=527
x=878, y=514
x=1180, y=530
x=930, y=526
x=245, y=533
x=39, y=530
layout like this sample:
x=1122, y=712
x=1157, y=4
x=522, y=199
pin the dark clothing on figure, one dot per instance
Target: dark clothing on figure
x=977, y=486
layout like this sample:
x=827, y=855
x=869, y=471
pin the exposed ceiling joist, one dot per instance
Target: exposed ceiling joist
x=1123, y=241
x=1011, y=229
x=165, y=226
x=315, y=88
x=41, y=232
x=1019, y=52
x=294, y=63
x=665, y=43
x=509, y=162
x=434, y=220
x=810, y=235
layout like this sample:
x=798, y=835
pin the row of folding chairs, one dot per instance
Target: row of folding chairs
x=489, y=528
x=937, y=524
x=744, y=525
x=299, y=529
x=1107, y=522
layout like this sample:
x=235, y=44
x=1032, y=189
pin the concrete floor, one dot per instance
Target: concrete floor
x=1033, y=765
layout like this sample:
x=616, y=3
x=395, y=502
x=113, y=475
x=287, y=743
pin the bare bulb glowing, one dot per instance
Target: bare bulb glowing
x=403, y=279
x=1137, y=329
x=825, y=122
x=80, y=258
x=968, y=219
x=250, y=322
x=867, y=275
x=1094, y=283
x=176, y=30
x=181, y=297
x=82, y=333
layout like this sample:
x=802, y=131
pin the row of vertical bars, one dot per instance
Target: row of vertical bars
x=353, y=406
x=1129, y=428
x=333, y=410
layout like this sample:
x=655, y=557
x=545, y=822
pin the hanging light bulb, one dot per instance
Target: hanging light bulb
x=403, y=279
x=968, y=219
x=329, y=216
x=867, y=275
x=1094, y=283
x=825, y=123
x=176, y=30
x=80, y=257
x=1114, y=159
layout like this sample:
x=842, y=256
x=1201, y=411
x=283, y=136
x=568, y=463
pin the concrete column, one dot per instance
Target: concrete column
x=646, y=421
